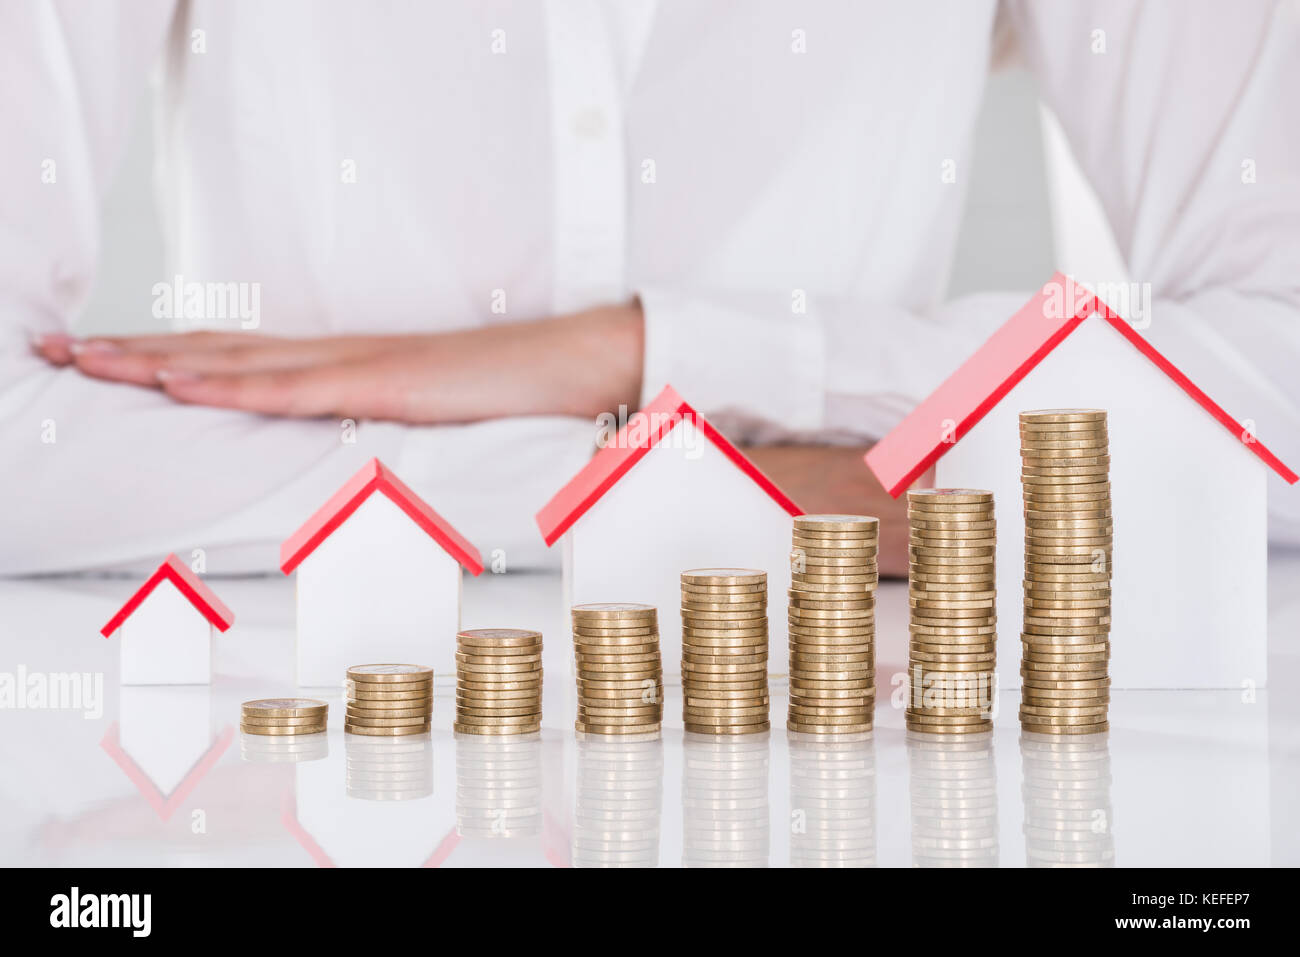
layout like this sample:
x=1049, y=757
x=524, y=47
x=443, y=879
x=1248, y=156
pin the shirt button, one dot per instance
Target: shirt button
x=589, y=124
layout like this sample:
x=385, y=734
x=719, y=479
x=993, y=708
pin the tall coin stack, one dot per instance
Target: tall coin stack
x=1065, y=478
x=620, y=670
x=498, y=681
x=283, y=716
x=952, y=594
x=833, y=581
x=724, y=651
x=388, y=699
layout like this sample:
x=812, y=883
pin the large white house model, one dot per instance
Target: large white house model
x=168, y=639
x=665, y=494
x=378, y=579
x=1188, y=601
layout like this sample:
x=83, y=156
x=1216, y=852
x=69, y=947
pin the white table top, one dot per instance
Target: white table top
x=164, y=777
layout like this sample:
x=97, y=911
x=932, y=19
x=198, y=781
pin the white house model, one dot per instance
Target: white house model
x=1188, y=590
x=378, y=579
x=168, y=639
x=668, y=493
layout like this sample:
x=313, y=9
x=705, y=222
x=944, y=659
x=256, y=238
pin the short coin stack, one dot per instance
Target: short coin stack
x=283, y=716
x=724, y=651
x=952, y=595
x=1065, y=479
x=388, y=700
x=833, y=581
x=498, y=681
x=620, y=669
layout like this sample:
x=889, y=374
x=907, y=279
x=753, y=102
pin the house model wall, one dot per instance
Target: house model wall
x=165, y=629
x=1188, y=488
x=686, y=502
x=377, y=580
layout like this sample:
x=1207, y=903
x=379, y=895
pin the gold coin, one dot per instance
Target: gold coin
x=806, y=604
x=851, y=556
x=951, y=496
x=919, y=551
x=284, y=707
x=387, y=712
x=366, y=722
x=534, y=681
x=800, y=727
x=276, y=721
x=724, y=659
x=279, y=731
x=514, y=730
x=821, y=688
x=799, y=632
x=647, y=729
x=749, y=683
x=724, y=576
x=943, y=581
x=615, y=635
x=499, y=635
x=385, y=673
x=856, y=674
x=613, y=609
x=1035, y=417
x=352, y=728
x=717, y=730
x=387, y=687
x=935, y=633
x=842, y=579
x=835, y=522
x=750, y=609
x=465, y=712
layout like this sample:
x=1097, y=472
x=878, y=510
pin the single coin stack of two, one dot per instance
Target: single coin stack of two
x=1065, y=479
x=833, y=580
x=388, y=700
x=724, y=651
x=498, y=681
x=283, y=716
x=620, y=669
x=952, y=655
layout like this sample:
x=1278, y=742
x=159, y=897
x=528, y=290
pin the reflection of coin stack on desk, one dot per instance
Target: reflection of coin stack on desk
x=620, y=802
x=498, y=786
x=725, y=803
x=832, y=623
x=833, y=794
x=388, y=700
x=620, y=670
x=1066, y=793
x=724, y=651
x=283, y=749
x=952, y=783
x=498, y=681
x=396, y=768
x=1065, y=667
x=952, y=656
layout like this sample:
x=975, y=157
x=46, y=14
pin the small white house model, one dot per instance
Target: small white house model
x=668, y=493
x=168, y=639
x=1188, y=589
x=378, y=579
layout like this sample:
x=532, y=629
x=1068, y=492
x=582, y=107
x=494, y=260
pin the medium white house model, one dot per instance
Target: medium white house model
x=1188, y=590
x=378, y=579
x=668, y=493
x=168, y=640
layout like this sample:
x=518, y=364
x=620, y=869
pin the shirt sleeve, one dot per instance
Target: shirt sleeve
x=1182, y=115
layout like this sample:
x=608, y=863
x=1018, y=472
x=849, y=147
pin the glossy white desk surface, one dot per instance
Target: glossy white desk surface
x=164, y=776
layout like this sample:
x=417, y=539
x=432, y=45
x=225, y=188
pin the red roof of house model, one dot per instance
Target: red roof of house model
x=188, y=584
x=997, y=366
x=611, y=463
x=375, y=477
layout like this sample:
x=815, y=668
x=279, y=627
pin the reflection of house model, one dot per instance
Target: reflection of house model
x=669, y=493
x=1187, y=486
x=378, y=578
x=168, y=640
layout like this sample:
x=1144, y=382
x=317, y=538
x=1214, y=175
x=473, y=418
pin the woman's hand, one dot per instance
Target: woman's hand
x=581, y=364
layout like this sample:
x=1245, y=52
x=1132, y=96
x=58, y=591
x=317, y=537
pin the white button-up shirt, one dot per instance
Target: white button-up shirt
x=780, y=182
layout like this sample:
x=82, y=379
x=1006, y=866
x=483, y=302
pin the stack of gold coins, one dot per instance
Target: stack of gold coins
x=283, y=716
x=724, y=650
x=952, y=595
x=832, y=623
x=498, y=681
x=620, y=670
x=1065, y=478
x=388, y=699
